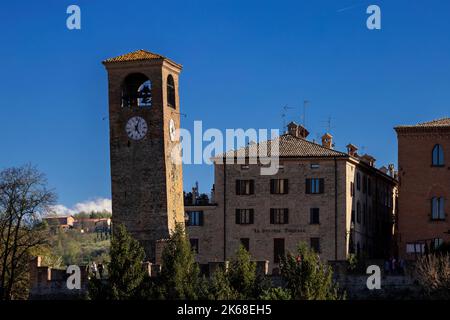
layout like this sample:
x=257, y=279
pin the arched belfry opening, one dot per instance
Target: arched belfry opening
x=136, y=91
x=171, y=101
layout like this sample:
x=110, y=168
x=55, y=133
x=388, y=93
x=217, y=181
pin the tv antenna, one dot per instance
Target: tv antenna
x=305, y=104
x=328, y=124
x=284, y=113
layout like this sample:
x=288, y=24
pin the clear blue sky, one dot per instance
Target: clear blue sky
x=243, y=60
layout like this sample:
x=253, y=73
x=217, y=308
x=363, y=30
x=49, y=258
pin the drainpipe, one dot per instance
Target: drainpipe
x=224, y=211
x=335, y=210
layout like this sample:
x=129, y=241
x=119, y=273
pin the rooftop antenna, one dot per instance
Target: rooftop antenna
x=305, y=104
x=327, y=124
x=283, y=115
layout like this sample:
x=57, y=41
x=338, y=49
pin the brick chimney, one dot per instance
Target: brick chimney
x=327, y=141
x=351, y=150
x=297, y=130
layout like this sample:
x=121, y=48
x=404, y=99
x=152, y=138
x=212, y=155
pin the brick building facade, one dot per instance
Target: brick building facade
x=424, y=176
x=336, y=202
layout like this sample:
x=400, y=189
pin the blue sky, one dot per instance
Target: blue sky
x=243, y=60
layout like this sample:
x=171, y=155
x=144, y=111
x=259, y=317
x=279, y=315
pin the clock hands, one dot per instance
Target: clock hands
x=136, y=127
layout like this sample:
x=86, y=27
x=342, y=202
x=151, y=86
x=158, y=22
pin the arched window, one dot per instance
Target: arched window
x=437, y=208
x=171, y=92
x=438, y=155
x=136, y=91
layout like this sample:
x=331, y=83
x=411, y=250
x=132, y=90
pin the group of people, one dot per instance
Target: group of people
x=394, y=266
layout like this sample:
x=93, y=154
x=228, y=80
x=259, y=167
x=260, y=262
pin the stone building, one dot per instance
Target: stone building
x=424, y=186
x=336, y=202
x=60, y=222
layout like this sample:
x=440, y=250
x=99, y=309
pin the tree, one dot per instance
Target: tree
x=242, y=274
x=24, y=197
x=240, y=281
x=275, y=294
x=433, y=274
x=126, y=273
x=180, y=274
x=220, y=287
x=307, y=278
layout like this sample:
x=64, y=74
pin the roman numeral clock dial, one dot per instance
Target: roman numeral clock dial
x=136, y=128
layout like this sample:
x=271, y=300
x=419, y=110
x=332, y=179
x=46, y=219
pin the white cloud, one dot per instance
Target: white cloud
x=98, y=205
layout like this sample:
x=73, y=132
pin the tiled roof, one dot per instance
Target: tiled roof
x=289, y=146
x=135, y=56
x=443, y=122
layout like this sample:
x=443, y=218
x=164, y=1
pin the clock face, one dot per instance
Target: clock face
x=136, y=128
x=172, y=130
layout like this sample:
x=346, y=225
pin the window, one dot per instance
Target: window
x=315, y=166
x=364, y=214
x=369, y=187
x=438, y=155
x=358, y=212
x=245, y=242
x=437, y=242
x=244, y=216
x=136, y=91
x=364, y=187
x=195, y=218
x=279, y=216
x=415, y=248
x=171, y=91
x=352, y=189
x=437, y=208
x=314, y=216
x=194, y=245
x=358, y=181
x=278, y=250
x=245, y=187
x=245, y=167
x=314, y=186
x=279, y=186
x=315, y=244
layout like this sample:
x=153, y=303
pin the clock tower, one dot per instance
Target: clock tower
x=146, y=175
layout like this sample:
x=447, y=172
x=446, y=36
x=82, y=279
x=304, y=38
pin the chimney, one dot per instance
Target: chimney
x=368, y=159
x=351, y=150
x=297, y=130
x=327, y=141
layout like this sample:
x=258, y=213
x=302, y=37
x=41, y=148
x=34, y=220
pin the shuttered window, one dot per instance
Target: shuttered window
x=245, y=187
x=279, y=216
x=244, y=216
x=279, y=186
x=315, y=186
